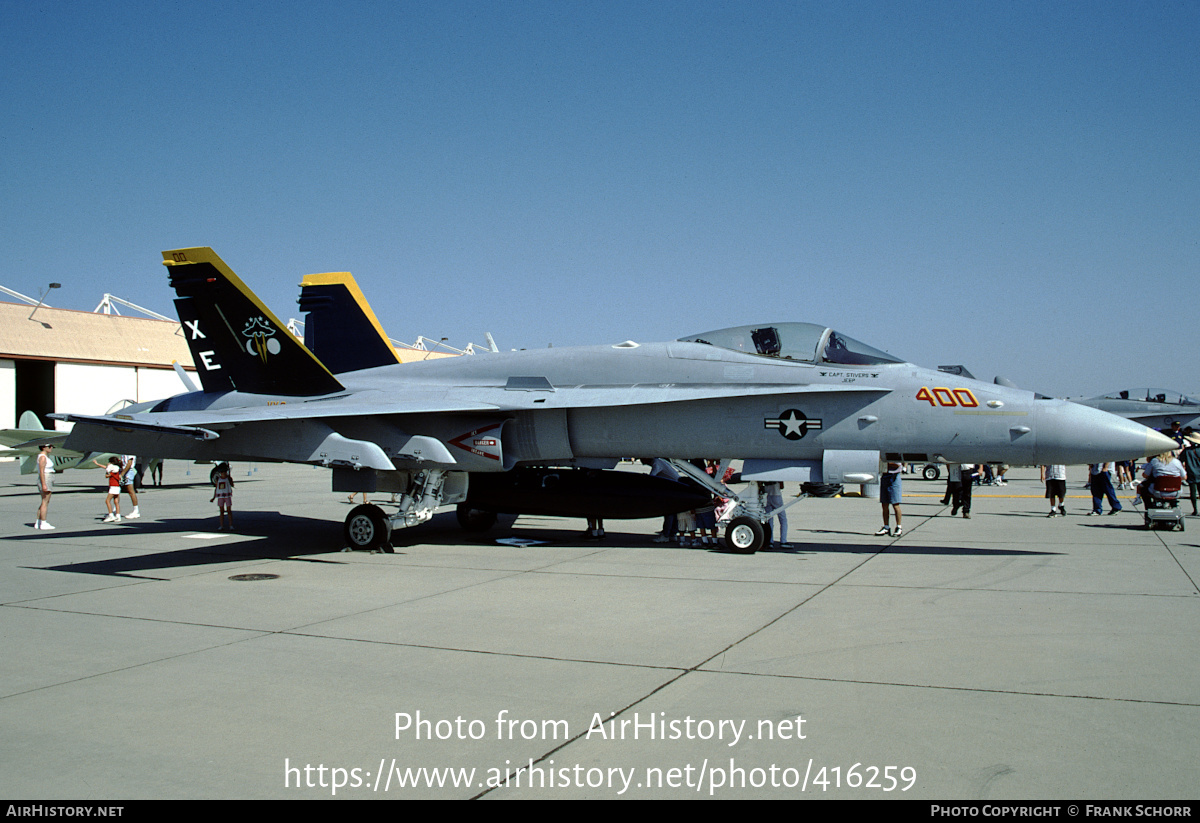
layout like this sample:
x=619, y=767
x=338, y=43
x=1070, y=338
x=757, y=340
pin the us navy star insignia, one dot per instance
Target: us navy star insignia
x=792, y=424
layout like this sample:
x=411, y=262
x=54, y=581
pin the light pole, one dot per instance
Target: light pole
x=43, y=297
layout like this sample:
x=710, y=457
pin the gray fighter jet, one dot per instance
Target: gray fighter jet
x=533, y=430
x=1157, y=408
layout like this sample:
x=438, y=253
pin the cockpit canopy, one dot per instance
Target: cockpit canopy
x=1173, y=398
x=795, y=341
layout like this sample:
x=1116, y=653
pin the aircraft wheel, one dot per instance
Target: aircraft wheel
x=368, y=528
x=475, y=520
x=744, y=535
x=931, y=472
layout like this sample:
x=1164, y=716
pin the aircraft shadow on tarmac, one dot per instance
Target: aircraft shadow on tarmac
x=276, y=536
x=905, y=546
x=272, y=536
x=551, y=532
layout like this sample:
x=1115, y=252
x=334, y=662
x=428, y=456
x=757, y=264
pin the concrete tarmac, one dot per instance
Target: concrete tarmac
x=1005, y=656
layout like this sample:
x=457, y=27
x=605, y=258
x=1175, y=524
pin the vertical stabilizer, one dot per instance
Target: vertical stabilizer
x=340, y=327
x=237, y=343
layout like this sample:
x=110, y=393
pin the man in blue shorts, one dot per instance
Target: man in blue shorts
x=128, y=469
x=889, y=495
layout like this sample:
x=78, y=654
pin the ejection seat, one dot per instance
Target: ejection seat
x=1162, y=504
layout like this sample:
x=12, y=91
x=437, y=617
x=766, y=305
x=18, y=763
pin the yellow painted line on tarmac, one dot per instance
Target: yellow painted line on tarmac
x=976, y=496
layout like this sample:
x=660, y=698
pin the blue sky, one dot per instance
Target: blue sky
x=1008, y=185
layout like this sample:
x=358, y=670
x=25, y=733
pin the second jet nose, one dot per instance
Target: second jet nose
x=1070, y=434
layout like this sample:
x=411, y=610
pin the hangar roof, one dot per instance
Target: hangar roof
x=84, y=337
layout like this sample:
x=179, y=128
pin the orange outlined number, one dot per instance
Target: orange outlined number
x=944, y=397
x=948, y=398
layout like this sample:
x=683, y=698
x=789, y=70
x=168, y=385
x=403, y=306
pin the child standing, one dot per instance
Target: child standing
x=223, y=494
x=112, y=498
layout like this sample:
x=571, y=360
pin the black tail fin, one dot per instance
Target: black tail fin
x=341, y=329
x=236, y=342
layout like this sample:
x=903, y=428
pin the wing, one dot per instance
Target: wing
x=207, y=424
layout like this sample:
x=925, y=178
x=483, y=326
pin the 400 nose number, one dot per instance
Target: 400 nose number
x=941, y=396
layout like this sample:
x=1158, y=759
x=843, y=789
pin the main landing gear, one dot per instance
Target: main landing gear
x=746, y=532
x=368, y=528
x=744, y=535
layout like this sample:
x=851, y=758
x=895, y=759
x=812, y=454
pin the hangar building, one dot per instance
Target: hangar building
x=77, y=361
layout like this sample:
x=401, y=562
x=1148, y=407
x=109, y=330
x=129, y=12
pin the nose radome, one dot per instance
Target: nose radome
x=1157, y=443
x=1071, y=434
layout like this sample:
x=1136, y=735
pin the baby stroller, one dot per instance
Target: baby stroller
x=1162, y=504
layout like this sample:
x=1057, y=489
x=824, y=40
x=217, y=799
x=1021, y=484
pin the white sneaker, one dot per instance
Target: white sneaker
x=899, y=531
x=110, y=518
x=133, y=515
x=117, y=518
x=882, y=531
x=45, y=526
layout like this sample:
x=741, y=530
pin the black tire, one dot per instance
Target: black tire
x=368, y=528
x=931, y=472
x=474, y=520
x=744, y=535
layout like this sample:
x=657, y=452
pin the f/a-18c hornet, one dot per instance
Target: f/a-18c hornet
x=1158, y=408
x=531, y=431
